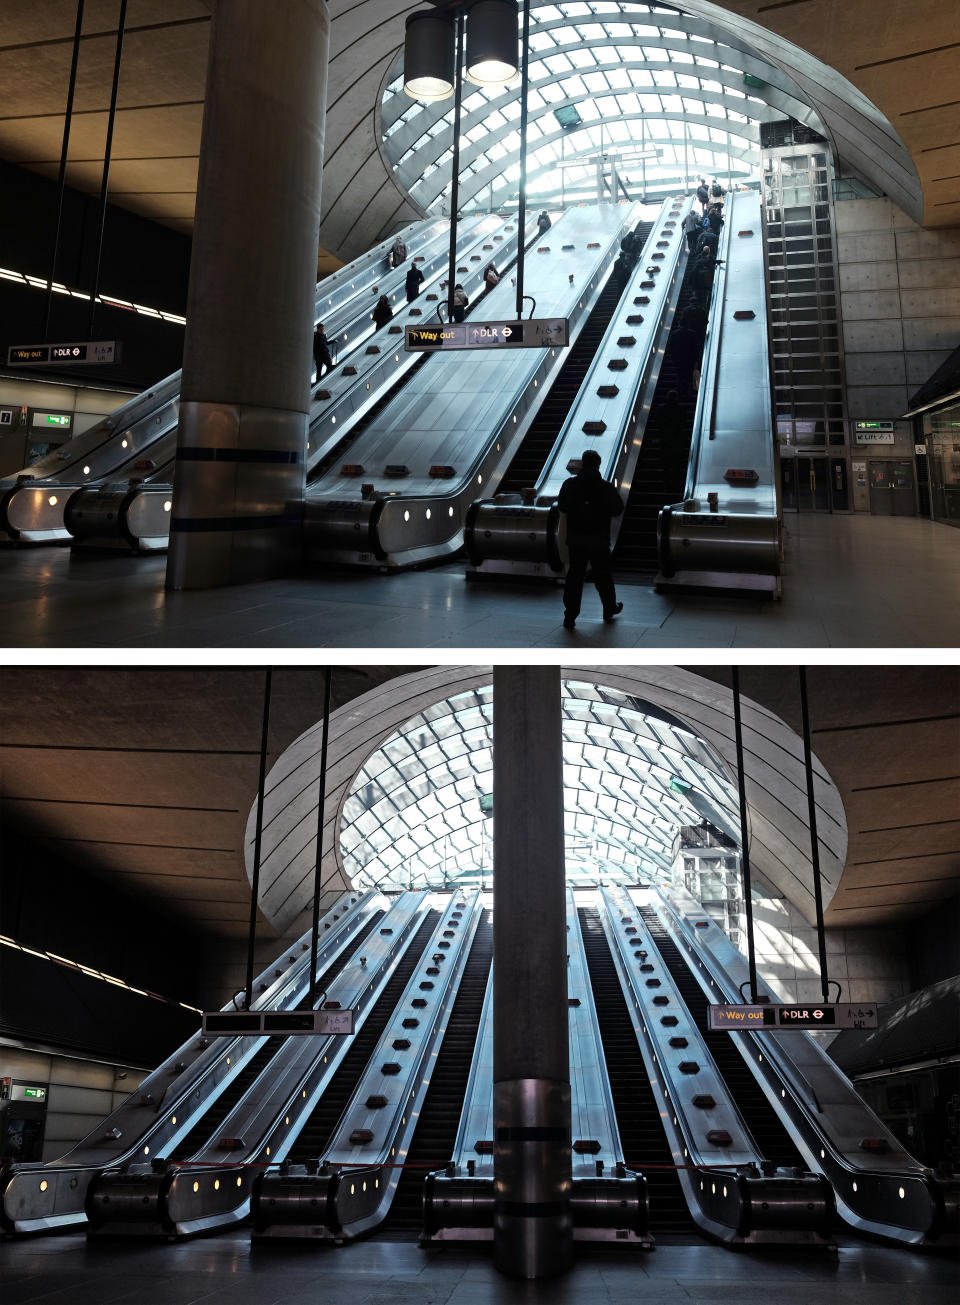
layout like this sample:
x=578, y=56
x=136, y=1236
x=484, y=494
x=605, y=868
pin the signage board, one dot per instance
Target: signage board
x=873, y=432
x=279, y=1023
x=46, y=420
x=6, y=416
x=27, y=1092
x=534, y=333
x=770, y=1015
x=42, y=355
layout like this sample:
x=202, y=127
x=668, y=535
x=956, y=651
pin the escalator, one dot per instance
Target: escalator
x=205, y=1128
x=638, y=1114
x=435, y=1136
x=529, y=459
x=315, y=1135
x=660, y=476
x=766, y=1129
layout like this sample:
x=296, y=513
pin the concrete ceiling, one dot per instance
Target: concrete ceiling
x=901, y=56
x=147, y=775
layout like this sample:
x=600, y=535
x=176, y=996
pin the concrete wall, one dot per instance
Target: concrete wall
x=870, y=964
x=87, y=406
x=900, y=307
x=80, y=1093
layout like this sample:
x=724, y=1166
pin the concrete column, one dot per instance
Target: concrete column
x=239, y=480
x=533, y=1231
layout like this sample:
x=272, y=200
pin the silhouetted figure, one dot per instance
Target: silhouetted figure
x=589, y=504
x=685, y=346
x=398, y=252
x=383, y=313
x=491, y=278
x=321, y=351
x=413, y=282
x=543, y=223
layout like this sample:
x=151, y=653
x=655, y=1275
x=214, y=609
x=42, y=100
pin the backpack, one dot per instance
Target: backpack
x=702, y=193
x=716, y=189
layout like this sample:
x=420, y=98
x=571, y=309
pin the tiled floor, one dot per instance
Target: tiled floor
x=849, y=582
x=226, y=1271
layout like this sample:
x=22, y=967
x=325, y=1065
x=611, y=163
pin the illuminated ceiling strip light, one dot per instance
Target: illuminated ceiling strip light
x=54, y=959
x=109, y=301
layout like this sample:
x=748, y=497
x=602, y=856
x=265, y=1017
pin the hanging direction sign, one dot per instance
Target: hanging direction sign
x=534, y=333
x=41, y=355
x=842, y=1015
x=278, y=1023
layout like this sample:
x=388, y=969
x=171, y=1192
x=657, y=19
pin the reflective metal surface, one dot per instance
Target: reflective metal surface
x=726, y=532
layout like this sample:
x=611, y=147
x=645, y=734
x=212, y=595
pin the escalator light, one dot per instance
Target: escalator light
x=428, y=514
x=450, y=512
x=196, y=1187
x=43, y=1185
x=86, y=471
x=854, y=1187
x=239, y=1182
x=744, y=233
x=741, y=476
x=167, y=505
x=216, y=1184
x=902, y=1194
x=406, y=516
x=52, y=500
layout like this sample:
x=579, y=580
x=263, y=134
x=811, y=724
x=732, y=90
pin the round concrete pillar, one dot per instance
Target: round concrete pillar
x=533, y=1230
x=239, y=479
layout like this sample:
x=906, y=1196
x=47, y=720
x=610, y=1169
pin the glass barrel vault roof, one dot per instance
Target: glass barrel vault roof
x=414, y=815
x=643, y=79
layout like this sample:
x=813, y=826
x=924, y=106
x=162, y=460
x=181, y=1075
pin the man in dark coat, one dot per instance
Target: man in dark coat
x=321, y=351
x=589, y=504
x=414, y=279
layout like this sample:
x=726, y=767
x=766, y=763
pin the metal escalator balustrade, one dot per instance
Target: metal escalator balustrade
x=213, y=1190
x=207, y=1126
x=38, y=1198
x=32, y=501
x=721, y=1170
x=661, y=470
x=135, y=514
x=608, y=414
x=433, y=1141
x=765, y=1128
x=451, y=432
x=726, y=532
x=638, y=1113
x=362, y=1159
x=879, y=1188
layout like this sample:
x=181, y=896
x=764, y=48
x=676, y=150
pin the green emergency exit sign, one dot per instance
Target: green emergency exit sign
x=54, y=420
x=35, y=1094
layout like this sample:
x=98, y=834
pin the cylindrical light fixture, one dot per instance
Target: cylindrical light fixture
x=428, y=55
x=492, y=42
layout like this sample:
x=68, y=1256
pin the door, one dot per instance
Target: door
x=892, y=491
x=813, y=493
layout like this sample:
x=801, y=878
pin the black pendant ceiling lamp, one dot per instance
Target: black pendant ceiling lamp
x=492, y=53
x=428, y=55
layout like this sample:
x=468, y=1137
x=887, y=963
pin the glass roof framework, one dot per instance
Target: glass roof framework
x=414, y=815
x=639, y=76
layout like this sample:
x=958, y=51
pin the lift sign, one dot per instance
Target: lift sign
x=844, y=1015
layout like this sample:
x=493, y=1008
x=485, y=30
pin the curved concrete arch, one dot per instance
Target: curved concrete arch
x=363, y=199
x=776, y=793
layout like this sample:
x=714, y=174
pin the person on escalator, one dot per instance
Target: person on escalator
x=398, y=252
x=491, y=278
x=673, y=426
x=685, y=346
x=708, y=239
x=383, y=313
x=714, y=218
x=413, y=282
x=703, y=194
x=621, y=272
x=702, y=276
x=589, y=503
x=691, y=229
x=543, y=223
x=460, y=302
x=321, y=351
